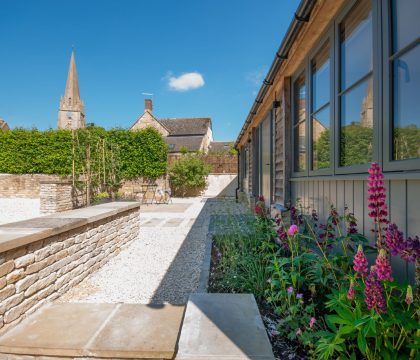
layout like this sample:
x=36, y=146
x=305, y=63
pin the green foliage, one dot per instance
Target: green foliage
x=356, y=145
x=188, y=174
x=137, y=153
x=407, y=142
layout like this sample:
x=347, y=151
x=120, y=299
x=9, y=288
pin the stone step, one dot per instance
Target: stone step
x=79, y=330
x=223, y=326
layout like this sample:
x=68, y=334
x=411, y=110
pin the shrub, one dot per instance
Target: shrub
x=188, y=174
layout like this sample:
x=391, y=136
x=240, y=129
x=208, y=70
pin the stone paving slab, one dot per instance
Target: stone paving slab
x=223, y=326
x=174, y=222
x=165, y=208
x=130, y=331
x=153, y=222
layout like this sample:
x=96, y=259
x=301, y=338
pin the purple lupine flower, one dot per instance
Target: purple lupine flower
x=299, y=295
x=314, y=215
x=335, y=218
x=360, y=263
x=394, y=239
x=290, y=289
x=383, y=266
x=376, y=200
x=411, y=249
x=295, y=217
x=351, y=224
x=281, y=233
x=374, y=292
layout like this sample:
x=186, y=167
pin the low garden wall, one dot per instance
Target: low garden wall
x=42, y=258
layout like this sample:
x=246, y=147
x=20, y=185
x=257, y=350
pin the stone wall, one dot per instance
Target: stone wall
x=60, y=195
x=23, y=186
x=42, y=258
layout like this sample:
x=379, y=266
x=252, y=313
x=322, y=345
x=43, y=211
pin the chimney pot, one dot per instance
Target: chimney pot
x=148, y=105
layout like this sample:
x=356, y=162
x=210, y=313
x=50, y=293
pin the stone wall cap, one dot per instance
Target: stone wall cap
x=24, y=232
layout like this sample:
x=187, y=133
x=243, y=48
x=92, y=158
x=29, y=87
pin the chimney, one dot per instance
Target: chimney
x=148, y=104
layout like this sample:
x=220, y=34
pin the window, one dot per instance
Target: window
x=299, y=127
x=320, y=109
x=405, y=67
x=355, y=95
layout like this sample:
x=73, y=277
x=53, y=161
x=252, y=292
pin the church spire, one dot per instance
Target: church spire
x=71, y=114
x=72, y=94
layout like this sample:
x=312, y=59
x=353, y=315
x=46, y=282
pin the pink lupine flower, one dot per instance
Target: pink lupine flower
x=312, y=322
x=290, y=289
x=292, y=230
x=298, y=331
x=409, y=295
x=376, y=200
x=374, y=292
x=383, y=266
x=360, y=262
x=351, y=293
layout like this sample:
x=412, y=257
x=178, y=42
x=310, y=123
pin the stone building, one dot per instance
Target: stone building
x=3, y=125
x=71, y=114
x=192, y=134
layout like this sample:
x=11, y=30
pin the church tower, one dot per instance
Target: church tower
x=71, y=114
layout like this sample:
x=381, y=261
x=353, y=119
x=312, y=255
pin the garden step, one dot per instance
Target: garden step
x=223, y=326
x=128, y=331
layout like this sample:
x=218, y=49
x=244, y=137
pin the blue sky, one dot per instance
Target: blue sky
x=127, y=47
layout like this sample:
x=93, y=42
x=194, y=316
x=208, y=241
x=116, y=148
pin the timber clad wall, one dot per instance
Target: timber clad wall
x=403, y=197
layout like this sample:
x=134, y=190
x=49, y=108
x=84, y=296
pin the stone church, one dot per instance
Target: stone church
x=71, y=114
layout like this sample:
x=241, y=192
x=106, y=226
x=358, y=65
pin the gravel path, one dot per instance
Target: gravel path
x=163, y=264
x=17, y=209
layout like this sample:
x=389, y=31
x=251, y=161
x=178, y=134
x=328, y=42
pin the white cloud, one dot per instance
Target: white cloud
x=185, y=82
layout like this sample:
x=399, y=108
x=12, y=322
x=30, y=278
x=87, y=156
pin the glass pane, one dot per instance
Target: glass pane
x=321, y=78
x=356, y=107
x=406, y=24
x=321, y=139
x=356, y=44
x=300, y=146
x=300, y=120
x=300, y=99
x=407, y=105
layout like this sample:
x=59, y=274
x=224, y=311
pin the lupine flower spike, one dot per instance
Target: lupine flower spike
x=376, y=200
x=383, y=266
x=292, y=230
x=409, y=295
x=351, y=293
x=374, y=292
x=360, y=263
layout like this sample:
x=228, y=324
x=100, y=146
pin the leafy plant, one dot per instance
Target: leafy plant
x=188, y=174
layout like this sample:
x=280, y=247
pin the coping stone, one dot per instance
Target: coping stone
x=13, y=235
x=223, y=326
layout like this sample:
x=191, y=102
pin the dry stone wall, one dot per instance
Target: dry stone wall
x=23, y=186
x=40, y=271
x=60, y=195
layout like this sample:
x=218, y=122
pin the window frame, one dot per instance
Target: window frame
x=327, y=37
x=357, y=168
x=303, y=70
x=389, y=164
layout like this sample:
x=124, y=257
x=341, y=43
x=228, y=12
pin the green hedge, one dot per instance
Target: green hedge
x=140, y=153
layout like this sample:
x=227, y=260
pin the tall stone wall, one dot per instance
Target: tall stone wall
x=36, y=266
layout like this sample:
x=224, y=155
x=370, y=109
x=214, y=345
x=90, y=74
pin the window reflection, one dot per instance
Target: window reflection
x=356, y=138
x=320, y=137
x=406, y=24
x=407, y=106
x=300, y=124
x=356, y=96
x=356, y=44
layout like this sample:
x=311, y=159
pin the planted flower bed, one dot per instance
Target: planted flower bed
x=317, y=294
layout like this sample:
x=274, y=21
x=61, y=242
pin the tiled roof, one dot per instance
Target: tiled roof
x=221, y=145
x=3, y=125
x=186, y=126
x=177, y=143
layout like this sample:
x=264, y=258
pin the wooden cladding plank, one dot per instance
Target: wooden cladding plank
x=412, y=216
x=397, y=194
x=348, y=195
x=359, y=204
